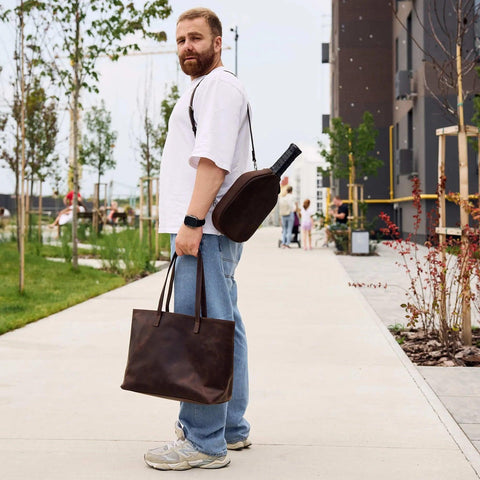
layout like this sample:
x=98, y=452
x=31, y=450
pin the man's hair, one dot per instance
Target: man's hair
x=289, y=189
x=337, y=197
x=211, y=18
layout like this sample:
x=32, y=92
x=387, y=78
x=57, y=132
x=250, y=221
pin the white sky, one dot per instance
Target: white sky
x=279, y=62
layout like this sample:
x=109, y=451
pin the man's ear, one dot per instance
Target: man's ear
x=217, y=43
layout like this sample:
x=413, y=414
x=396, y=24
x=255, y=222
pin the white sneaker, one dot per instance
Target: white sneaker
x=239, y=445
x=182, y=455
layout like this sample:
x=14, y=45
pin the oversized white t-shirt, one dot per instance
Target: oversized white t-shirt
x=220, y=107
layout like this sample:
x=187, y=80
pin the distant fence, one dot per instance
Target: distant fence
x=50, y=205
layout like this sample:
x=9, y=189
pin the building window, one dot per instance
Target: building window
x=477, y=27
x=409, y=43
x=410, y=129
x=396, y=55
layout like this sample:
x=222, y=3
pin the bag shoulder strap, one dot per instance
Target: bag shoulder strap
x=194, y=123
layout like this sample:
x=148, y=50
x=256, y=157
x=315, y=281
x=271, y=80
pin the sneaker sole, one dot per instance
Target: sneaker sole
x=186, y=465
x=239, y=445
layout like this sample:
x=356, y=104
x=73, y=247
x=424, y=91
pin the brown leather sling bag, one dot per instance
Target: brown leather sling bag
x=252, y=196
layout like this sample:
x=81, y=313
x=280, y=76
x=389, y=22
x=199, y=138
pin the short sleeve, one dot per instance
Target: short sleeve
x=220, y=107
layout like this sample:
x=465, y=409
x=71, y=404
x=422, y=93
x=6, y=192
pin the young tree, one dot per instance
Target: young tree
x=41, y=130
x=29, y=68
x=451, y=25
x=349, y=154
x=153, y=142
x=351, y=147
x=166, y=109
x=89, y=30
x=96, y=149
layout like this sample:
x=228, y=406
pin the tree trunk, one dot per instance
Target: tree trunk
x=40, y=208
x=463, y=179
x=76, y=93
x=149, y=184
x=21, y=215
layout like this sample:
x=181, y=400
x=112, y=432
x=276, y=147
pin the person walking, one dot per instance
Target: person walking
x=287, y=211
x=197, y=170
x=306, y=224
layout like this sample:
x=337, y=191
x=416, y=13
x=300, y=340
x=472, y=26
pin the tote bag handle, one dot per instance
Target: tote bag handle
x=200, y=294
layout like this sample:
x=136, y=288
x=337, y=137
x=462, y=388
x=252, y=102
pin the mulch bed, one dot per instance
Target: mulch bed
x=426, y=350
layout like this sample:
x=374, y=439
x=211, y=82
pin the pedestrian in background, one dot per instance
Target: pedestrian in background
x=306, y=224
x=287, y=210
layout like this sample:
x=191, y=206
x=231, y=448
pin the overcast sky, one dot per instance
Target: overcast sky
x=279, y=62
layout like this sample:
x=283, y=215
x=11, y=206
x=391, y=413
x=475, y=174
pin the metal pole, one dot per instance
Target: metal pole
x=235, y=30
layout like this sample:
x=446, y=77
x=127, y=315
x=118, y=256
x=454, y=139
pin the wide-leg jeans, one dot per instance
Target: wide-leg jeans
x=211, y=427
x=287, y=227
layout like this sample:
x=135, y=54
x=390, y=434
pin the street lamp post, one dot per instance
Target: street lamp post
x=235, y=30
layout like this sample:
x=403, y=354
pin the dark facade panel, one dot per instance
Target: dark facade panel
x=325, y=53
x=362, y=80
x=325, y=122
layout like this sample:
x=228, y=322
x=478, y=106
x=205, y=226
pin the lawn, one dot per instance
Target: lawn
x=49, y=287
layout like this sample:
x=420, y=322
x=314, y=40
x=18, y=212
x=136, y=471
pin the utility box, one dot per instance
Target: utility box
x=360, y=242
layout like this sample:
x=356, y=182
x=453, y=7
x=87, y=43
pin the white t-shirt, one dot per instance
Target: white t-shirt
x=307, y=217
x=287, y=204
x=220, y=108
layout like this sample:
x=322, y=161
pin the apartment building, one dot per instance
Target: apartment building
x=380, y=55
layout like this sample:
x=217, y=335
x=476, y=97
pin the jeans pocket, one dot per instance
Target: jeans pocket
x=229, y=255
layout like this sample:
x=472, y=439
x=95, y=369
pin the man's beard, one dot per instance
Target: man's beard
x=202, y=64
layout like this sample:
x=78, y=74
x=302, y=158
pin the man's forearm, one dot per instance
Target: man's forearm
x=208, y=181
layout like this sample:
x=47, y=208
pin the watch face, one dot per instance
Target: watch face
x=191, y=221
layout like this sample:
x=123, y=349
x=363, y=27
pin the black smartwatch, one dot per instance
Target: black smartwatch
x=193, y=222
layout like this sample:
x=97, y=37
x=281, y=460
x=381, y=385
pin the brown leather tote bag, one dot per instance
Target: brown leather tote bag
x=181, y=357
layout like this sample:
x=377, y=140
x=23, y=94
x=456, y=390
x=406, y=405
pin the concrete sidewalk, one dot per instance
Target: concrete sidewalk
x=332, y=395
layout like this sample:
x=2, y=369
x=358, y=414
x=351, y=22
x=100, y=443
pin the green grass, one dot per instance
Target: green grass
x=124, y=236
x=53, y=251
x=49, y=287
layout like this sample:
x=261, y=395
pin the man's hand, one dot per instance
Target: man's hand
x=188, y=241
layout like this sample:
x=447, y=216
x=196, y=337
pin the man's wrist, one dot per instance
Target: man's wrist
x=192, y=221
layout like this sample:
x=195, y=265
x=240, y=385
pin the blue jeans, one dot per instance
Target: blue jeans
x=287, y=227
x=211, y=427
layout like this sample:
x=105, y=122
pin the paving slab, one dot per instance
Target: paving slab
x=331, y=395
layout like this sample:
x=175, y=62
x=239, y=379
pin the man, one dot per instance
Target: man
x=340, y=212
x=287, y=210
x=196, y=172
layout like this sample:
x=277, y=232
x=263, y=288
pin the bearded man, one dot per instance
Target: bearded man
x=197, y=170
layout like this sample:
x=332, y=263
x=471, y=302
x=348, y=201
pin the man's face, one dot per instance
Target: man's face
x=198, y=51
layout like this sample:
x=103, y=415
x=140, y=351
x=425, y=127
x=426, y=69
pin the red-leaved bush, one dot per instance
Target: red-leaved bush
x=443, y=276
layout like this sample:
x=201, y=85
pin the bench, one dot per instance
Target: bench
x=119, y=216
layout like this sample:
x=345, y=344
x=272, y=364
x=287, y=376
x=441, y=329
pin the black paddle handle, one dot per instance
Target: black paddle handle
x=286, y=160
